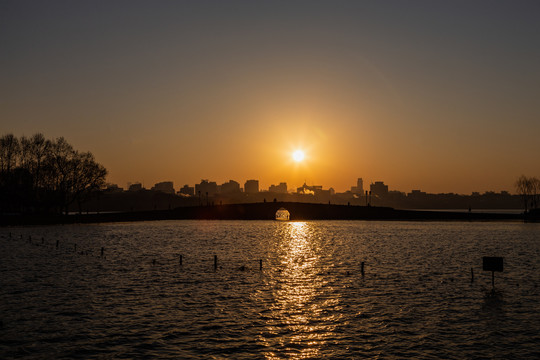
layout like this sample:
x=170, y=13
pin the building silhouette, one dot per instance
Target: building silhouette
x=278, y=189
x=316, y=190
x=164, y=187
x=113, y=188
x=251, y=187
x=206, y=188
x=187, y=190
x=417, y=194
x=306, y=189
x=378, y=189
x=230, y=187
x=359, y=188
x=135, y=187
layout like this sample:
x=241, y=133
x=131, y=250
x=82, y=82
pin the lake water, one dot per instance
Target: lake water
x=310, y=300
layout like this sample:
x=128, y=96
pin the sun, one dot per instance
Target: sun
x=298, y=155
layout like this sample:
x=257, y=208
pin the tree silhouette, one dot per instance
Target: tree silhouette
x=9, y=150
x=529, y=189
x=43, y=175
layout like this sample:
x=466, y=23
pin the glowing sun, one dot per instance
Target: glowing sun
x=298, y=155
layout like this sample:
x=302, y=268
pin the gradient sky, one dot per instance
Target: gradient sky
x=442, y=96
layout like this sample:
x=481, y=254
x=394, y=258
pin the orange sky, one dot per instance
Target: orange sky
x=421, y=95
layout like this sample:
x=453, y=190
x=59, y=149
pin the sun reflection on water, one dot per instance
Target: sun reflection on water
x=302, y=314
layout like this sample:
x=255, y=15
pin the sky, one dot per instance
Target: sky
x=441, y=96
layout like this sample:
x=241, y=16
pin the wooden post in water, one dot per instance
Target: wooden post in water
x=102, y=249
x=362, y=268
x=472, y=275
x=215, y=262
x=260, y=264
x=492, y=263
x=180, y=260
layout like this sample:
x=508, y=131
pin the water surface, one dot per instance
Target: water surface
x=310, y=300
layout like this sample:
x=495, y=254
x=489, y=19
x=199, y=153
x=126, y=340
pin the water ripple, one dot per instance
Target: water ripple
x=310, y=300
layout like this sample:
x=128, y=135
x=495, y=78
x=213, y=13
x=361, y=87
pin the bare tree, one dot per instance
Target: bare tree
x=535, y=192
x=25, y=156
x=72, y=175
x=56, y=172
x=9, y=150
x=40, y=174
x=34, y=152
x=33, y=155
x=86, y=176
x=529, y=189
x=522, y=188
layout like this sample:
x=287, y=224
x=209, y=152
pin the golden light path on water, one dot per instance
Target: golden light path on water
x=299, y=321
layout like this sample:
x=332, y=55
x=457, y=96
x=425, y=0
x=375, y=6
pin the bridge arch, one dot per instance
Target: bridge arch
x=283, y=214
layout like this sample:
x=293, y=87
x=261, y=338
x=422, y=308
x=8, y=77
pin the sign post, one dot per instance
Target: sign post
x=492, y=263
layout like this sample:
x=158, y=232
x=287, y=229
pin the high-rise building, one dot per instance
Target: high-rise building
x=359, y=188
x=251, y=186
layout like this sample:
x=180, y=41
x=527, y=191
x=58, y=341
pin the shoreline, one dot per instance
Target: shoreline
x=265, y=211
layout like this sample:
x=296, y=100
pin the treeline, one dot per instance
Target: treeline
x=529, y=189
x=38, y=175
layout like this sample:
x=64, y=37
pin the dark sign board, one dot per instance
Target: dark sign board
x=492, y=263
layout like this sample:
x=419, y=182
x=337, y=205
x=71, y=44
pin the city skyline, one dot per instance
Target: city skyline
x=281, y=187
x=425, y=95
